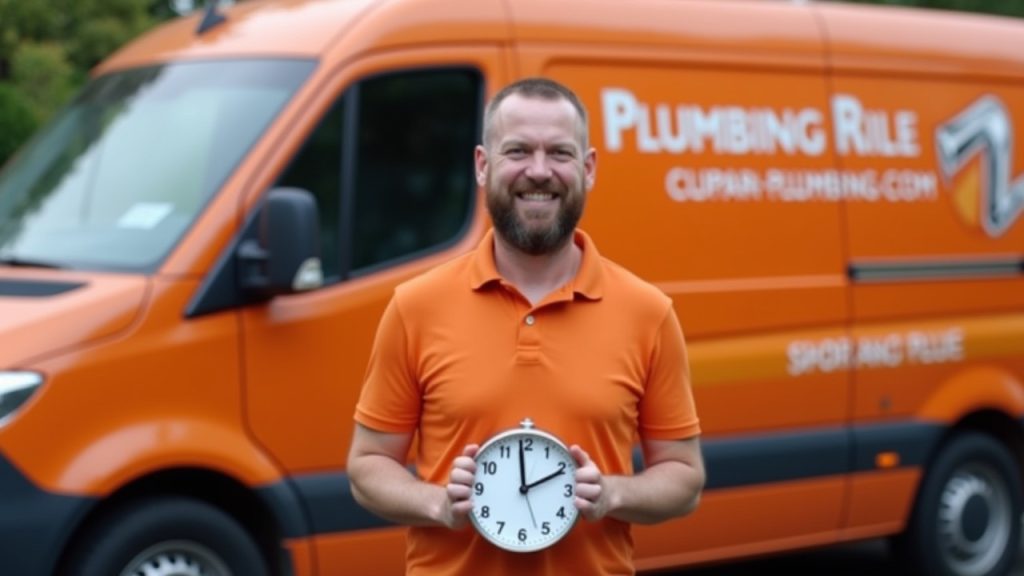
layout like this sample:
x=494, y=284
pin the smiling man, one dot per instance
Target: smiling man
x=533, y=324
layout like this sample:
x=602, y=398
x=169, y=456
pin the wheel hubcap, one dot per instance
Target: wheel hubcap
x=974, y=520
x=176, y=558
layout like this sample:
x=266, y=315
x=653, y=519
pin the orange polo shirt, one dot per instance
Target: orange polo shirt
x=460, y=355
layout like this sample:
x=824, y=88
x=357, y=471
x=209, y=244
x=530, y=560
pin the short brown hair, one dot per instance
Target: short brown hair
x=537, y=87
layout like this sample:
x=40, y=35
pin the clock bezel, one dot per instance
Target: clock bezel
x=526, y=430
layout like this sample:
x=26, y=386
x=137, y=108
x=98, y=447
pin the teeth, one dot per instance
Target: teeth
x=537, y=196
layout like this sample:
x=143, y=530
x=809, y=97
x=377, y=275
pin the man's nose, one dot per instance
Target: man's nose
x=539, y=169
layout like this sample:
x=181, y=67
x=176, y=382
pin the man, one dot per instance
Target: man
x=534, y=324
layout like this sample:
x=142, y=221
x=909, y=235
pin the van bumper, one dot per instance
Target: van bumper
x=34, y=524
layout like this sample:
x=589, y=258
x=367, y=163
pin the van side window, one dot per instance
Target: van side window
x=317, y=168
x=391, y=166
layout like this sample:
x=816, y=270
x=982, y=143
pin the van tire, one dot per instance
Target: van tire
x=174, y=535
x=967, y=518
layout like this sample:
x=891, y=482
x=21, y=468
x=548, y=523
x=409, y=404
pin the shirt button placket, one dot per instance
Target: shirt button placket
x=528, y=351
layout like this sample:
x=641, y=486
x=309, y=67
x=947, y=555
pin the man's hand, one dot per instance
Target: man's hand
x=591, y=495
x=668, y=487
x=460, y=489
x=382, y=483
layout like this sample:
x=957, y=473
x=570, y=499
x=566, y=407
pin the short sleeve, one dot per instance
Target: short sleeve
x=667, y=410
x=390, y=400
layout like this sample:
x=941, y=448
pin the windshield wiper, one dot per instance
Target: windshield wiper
x=26, y=263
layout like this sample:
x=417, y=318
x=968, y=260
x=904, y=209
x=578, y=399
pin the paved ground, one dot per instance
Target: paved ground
x=847, y=560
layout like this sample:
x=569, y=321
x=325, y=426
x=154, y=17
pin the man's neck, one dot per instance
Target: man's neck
x=537, y=276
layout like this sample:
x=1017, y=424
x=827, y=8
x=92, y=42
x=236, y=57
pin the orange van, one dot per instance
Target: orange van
x=195, y=253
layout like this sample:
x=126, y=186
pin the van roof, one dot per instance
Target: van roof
x=278, y=28
x=922, y=41
x=869, y=37
x=310, y=28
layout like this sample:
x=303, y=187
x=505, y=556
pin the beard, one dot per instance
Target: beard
x=535, y=239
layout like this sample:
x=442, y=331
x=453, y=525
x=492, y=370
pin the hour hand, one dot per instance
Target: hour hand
x=559, y=472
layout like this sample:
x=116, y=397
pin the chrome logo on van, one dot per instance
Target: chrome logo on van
x=975, y=156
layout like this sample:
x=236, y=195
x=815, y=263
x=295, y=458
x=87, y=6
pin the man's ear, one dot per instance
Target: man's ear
x=590, y=168
x=480, y=164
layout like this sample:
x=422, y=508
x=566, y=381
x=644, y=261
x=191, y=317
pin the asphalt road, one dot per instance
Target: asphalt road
x=857, y=559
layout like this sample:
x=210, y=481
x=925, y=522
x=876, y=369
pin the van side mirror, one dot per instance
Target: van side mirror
x=284, y=255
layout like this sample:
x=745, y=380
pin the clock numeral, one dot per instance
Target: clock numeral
x=561, y=466
x=545, y=528
x=491, y=468
x=547, y=452
x=478, y=488
x=522, y=535
x=501, y=526
x=561, y=512
x=505, y=451
x=528, y=444
x=568, y=490
x=485, y=512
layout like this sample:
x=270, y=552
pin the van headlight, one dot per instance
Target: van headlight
x=15, y=388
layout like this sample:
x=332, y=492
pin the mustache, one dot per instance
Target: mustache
x=549, y=187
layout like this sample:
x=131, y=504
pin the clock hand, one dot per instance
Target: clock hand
x=522, y=470
x=542, y=480
x=530, y=508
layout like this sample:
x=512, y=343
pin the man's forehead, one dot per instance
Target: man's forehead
x=537, y=115
x=522, y=105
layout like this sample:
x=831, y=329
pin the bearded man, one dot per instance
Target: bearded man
x=533, y=323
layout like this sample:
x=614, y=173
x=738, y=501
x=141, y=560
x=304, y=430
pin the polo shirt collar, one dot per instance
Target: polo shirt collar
x=588, y=282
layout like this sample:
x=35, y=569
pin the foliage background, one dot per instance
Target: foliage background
x=47, y=48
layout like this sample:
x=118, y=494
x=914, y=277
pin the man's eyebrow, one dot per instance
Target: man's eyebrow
x=567, y=144
x=526, y=143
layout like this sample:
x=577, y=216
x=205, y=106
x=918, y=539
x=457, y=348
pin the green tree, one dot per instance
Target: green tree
x=17, y=120
x=24, y=21
x=47, y=48
x=42, y=73
x=95, y=28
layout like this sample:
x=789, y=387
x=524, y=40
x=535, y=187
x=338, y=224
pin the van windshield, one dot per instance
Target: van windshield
x=119, y=175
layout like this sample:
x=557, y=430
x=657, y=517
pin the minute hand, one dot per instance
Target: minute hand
x=522, y=469
x=545, y=479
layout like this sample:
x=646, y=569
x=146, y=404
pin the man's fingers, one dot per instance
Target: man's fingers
x=461, y=476
x=589, y=475
x=464, y=463
x=588, y=492
x=581, y=457
x=587, y=509
x=589, y=485
x=586, y=471
x=458, y=491
x=459, y=505
x=462, y=508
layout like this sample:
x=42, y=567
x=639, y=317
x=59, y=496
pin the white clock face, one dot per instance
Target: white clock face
x=524, y=490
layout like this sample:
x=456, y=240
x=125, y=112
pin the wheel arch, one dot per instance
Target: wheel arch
x=985, y=399
x=1004, y=428
x=261, y=512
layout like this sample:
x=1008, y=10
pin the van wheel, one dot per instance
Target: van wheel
x=967, y=519
x=168, y=536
